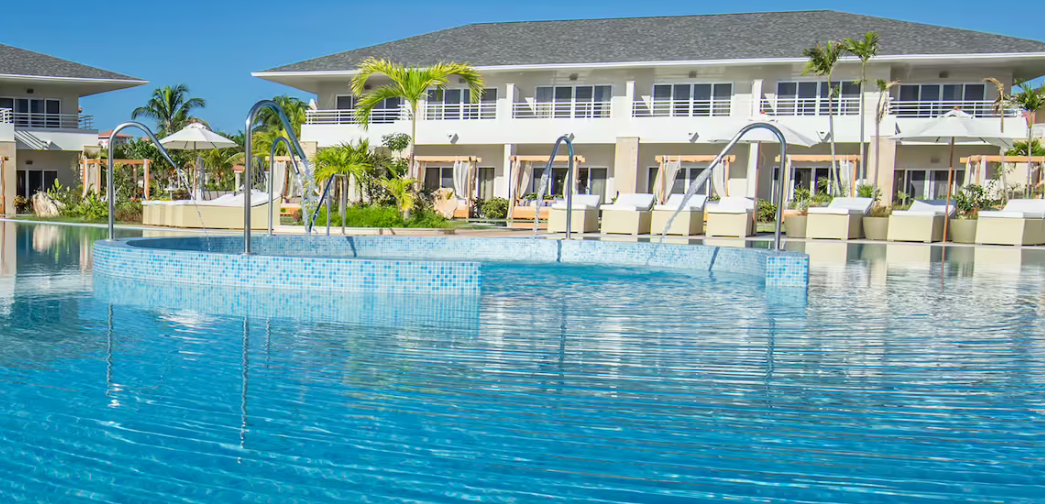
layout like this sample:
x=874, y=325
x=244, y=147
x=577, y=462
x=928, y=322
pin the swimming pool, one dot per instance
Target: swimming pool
x=891, y=379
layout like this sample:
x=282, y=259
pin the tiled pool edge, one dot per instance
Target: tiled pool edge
x=414, y=264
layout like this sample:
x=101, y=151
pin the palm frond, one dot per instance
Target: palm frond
x=372, y=100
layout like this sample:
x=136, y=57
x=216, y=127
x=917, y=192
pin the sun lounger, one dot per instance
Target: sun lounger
x=630, y=214
x=1021, y=222
x=923, y=222
x=225, y=212
x=690, y=220
x=585, y=218
x=731, y=217
x=841, y=220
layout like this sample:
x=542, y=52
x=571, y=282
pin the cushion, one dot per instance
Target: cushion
x=854, y=205
x=696, y=203
x=1030, y=208
x=733, y=204
x=1005, y=214
x=935, y=206
x=632, y=202
x=835, y=211
x=581, y=202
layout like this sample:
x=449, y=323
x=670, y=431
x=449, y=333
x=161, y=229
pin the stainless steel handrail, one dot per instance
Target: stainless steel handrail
x=110, y=190
x=546, y=182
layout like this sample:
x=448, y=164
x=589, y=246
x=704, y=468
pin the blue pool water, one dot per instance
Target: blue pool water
x=894, y=379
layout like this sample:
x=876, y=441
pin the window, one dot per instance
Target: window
x=573, y=101
x=449, y=104
x=36, y=112
x=31, y=182
x=810, y=98
x=927, y=184
x=345, y=102
x=439, y=177
x=557, y=182
x=685, y=176
x=932, y=100
x=690, y=100
x=486, y=177
x=592, y=181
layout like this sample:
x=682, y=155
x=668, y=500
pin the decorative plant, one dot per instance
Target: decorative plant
x=971, y=199
x=401, y=189
x=1000, y=106
x=822, y=196
x=864, y=49
x=766, y=211
x=881, y=211
x=822, y=61
x=410, y=84
x=869, y=191
x=495, y=208
x=1029, y=100
x=800, y=200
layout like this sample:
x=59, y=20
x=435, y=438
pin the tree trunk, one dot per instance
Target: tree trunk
x=831, y=129
x=413, y=143
x=1004, y=183
x=863, y=119
x=877, y=152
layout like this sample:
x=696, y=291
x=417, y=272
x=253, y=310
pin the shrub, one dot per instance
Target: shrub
x=91, y=209
x=495, y=208
x=881, y=211
x=428, y=219
x=766, y=211
x=129, y=211
x=869, y=191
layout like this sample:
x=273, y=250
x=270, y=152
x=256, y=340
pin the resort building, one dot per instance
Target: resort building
x=633, y=90
x=42, y=130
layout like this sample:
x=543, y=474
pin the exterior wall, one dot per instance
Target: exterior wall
x=8, y=150
x=69, y=96
x=64, y=162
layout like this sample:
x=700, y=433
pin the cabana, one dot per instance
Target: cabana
x=465, y=170
x=521, y=173
x=91, y=169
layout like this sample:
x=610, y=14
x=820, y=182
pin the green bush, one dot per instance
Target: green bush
x=129, y=211
x=766, y=211
x=495, y=208
x=380, y=216
x=91, y=209
x=868, y=191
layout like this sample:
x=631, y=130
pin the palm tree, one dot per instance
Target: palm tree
x=345, y=159
x=410, y=84
x=295, y=109
x=402, y=190
x=1028, y=100
x=1000, y=105
x=822, y=61
x=171, y=108
x=865, y=50
x=880, y=111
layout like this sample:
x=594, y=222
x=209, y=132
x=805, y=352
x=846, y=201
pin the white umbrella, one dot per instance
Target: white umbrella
x=951, y=128
x=196, y=136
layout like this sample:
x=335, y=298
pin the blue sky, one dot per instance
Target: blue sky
x=213, y=46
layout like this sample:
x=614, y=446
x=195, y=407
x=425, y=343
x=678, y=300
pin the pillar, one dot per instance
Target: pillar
x=751, y=175
x=886, y=166
x=626, y=166
x=503, y=184
x=10, y=178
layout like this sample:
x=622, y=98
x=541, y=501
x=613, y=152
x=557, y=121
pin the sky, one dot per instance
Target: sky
x=213, y=46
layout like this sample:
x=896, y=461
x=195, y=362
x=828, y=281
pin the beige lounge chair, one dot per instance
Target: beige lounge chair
x=1021, y=222
x=843, y=219
x=585, y=217
x=923, y=222
x=630, y=214
x=225, y=212
x=690, y=220
x=731, y=217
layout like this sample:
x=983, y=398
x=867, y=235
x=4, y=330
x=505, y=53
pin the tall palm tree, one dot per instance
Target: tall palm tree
x=864, y=49
x=293, y=106
x=171, y=108
x=1000, y=105
x=345, y=159
x=879, y=115
x=1029, y=100
x=822, y=61
x=410, y=84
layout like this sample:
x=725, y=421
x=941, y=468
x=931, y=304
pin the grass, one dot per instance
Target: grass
x=386, y=217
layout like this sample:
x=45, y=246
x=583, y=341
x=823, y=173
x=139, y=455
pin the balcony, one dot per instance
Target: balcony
x=681, y=108
x=930, y=109
x=845, y=106
x=562, y=110
x=348, y=116
x=46, y=121
x=459, y=111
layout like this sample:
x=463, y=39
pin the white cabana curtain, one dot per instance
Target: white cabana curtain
x=420, y=168
x=278, y=178
x=718, y=180
x=460, y=179
x=665, y=180
x=845, y=175
x=525, y=174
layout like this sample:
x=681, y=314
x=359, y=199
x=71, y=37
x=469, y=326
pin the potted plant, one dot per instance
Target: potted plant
x=797, y=214
x=876, y=224
x=968, y=203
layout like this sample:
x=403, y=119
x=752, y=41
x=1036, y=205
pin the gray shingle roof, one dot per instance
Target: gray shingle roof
x=16, y=61
x=681, y=38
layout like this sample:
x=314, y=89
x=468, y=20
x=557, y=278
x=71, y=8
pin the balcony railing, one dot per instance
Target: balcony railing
x=810, y=106
x=926, y=109
x=39, y=120
x=561, y=110
x=460, y=111
x=348, y=116
x=681, y=108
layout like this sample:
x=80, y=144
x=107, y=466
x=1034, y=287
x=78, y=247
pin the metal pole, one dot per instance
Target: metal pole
x=546, y=177
x=344, y=202
x=248, y=149
x=110, y=191
x=329, y=217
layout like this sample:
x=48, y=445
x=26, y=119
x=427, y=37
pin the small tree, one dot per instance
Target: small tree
x=822, y=61
x=345, y=159
x=1029, y=100
x=1000, y=106
x=171, y=108
x=864, y=49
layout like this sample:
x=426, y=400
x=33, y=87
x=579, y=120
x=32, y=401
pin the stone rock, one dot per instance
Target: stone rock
x=444, y=202
x=46, y=206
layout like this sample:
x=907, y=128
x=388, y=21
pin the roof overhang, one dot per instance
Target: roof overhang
x=1027, y=65
x=82, y=86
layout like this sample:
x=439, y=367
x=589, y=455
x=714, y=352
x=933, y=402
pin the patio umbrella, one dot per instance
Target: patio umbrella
x=951, y=128
x=197, y=136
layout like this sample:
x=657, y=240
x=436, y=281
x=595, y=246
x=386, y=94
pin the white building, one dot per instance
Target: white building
x=121, y=139
x=633, y=89
x=42, y=132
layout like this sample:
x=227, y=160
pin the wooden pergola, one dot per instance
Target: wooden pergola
x=544, y=159
x=98, y=163
x=983, y=159
x=663, y=159
x=823, y=158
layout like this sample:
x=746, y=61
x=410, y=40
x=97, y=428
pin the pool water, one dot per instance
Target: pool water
x=887, y=381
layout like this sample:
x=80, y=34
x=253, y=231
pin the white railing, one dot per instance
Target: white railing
x=977, y=108
x=561, y=110
x=681, y=108
x=810, y=106
x=6, y=116
x=55, y=121
x=348, y=116
x=460, y=111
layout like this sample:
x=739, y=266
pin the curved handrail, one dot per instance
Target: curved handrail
x=272, y=171
x=110, y=190
x=546, y=182
x=247, y=149
x=703, y=177
x=323, y=196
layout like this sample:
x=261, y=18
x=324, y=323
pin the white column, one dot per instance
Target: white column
x=755, y=108
x=752, y=170
x=623, y=104
x=504, y=105
x=503, y=183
